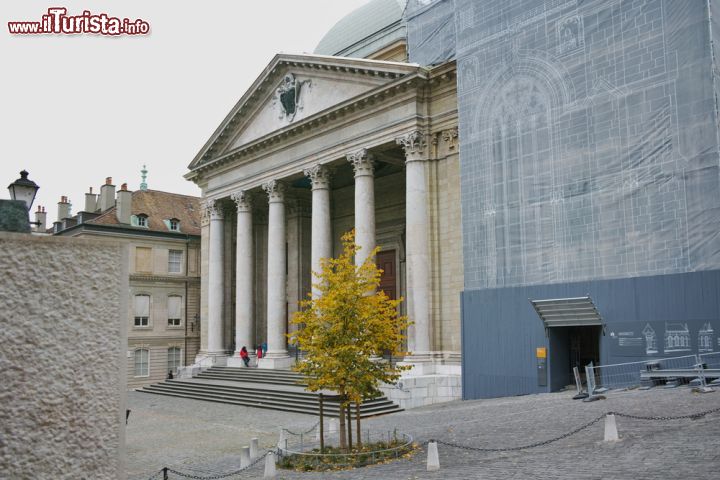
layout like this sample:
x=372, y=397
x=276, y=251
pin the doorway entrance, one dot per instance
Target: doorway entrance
x=572, y=347
x=388, y=280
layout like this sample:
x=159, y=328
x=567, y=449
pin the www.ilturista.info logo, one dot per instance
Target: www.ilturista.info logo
x=57, y=21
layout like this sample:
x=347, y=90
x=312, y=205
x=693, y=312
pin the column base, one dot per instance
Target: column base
x=237, y=361
x=211, y=359
x=421, y=363
x=276, y=361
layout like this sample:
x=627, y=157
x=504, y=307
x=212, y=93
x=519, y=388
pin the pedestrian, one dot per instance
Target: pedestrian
x=258, y=350
x=244, y=355
x=264, y=348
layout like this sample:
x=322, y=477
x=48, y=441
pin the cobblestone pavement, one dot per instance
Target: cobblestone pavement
x=204, y=438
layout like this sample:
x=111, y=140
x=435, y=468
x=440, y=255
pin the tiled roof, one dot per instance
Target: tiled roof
x=159, y=206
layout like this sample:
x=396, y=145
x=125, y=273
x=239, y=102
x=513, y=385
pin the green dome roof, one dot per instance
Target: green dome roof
x=365, y=30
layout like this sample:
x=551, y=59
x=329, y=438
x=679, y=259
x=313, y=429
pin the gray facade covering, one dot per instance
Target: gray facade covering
x=588, y=140
x=589, y=160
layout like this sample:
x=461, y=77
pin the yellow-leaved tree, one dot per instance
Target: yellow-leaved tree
x=346, y=328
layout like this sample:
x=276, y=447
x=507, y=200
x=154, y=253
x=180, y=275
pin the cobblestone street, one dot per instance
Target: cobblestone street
x=205, y=438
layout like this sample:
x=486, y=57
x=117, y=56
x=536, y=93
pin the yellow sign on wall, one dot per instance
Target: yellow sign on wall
x=541, y=352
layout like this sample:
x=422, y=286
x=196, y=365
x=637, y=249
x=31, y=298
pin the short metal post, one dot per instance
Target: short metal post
x=165, y=473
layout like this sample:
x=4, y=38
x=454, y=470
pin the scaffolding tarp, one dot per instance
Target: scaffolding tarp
x=588, y=135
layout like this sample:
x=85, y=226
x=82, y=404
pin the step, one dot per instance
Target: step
x=258, y=394
x=311, y=410
x=258, y=379
x=248, y=392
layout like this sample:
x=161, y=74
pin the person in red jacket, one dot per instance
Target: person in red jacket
x=244, y=355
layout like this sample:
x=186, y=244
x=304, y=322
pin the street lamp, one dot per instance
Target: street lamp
x=24, y=189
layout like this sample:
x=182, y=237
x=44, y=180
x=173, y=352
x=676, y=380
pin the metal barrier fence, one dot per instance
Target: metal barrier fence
x=710, y=360
x=628, y=375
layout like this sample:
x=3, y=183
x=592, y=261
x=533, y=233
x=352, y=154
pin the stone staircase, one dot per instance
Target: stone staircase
x=261, y=388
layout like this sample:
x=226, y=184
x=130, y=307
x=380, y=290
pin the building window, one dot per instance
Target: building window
x=142, y=220
x=143, y=259
x=174, y=310
x=142, y=310
x=174, y=224
x=174, y=359
x=175, y=258
x=142, y=365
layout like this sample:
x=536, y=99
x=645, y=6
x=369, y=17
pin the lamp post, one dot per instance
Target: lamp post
x=24, y=189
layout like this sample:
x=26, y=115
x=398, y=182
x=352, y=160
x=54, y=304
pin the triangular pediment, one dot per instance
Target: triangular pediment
x=293, y=88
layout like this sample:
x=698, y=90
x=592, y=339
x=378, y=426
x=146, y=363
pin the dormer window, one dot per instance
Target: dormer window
x=140, y=220
x=174, y=224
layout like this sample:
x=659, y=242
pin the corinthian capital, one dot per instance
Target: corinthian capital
x=319, y=176
x=242, y=200
x=414, y=144
x=361, y=161
x=275, y=190
x=212, y=210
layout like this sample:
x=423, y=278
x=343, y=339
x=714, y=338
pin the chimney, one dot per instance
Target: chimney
x=63, y=209
x=91, y=201
x=107, y=195
x=124, y=204
x=41, y=218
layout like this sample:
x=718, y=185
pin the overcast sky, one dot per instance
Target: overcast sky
x=77, y=109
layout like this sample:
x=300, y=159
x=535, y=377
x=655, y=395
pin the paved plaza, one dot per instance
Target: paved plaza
x=205, y=438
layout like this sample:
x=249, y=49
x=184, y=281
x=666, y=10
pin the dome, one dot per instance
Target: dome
x=365, y=30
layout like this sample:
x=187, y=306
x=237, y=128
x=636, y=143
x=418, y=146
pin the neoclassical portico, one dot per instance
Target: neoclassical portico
x=359, y=151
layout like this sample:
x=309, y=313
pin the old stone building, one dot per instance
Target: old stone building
x=320, y=145
x=550, y=165
x=162, y=232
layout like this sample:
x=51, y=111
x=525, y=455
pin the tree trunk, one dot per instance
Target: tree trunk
x=358, y=435
x=343, y=442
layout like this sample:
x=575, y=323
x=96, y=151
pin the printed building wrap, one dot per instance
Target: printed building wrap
x=589, y=165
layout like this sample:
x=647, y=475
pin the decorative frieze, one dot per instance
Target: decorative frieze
x=319, y=176
x=362, y=162
x=243, y=200
x=414, y=144
x=275, y=190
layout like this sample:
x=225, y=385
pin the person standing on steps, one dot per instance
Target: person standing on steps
x=244, y=355
x=264, y=348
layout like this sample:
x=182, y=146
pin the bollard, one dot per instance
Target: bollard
x=269, y=466
x=244, y=457
x=253, y=448
x=282, y=441
x=433, y=460
x=611, y=433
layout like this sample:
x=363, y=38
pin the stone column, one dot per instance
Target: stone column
x=277, y=355
x=364, y=203
x=417, y=249
x=244, y=278
x=215, y=345
x=321, y=235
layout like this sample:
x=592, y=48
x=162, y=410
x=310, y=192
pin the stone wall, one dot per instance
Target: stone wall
x=64, y=339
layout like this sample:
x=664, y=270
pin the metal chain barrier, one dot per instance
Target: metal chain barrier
x=692, y=416
x=167, y=470
x=523, y=447
x=302, y=433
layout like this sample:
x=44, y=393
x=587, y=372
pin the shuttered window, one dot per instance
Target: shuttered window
x=174, y=310
x=142, y=310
